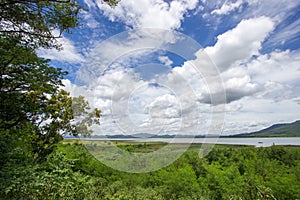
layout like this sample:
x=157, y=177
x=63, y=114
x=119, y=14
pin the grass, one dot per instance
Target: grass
x=140, y=147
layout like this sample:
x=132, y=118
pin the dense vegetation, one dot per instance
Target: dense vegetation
x=34, y=111
x=228, y=172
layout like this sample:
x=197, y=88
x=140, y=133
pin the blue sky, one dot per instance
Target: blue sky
x=193, y=67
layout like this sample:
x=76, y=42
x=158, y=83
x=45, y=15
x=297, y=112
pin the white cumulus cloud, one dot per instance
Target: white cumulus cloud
x=240, y=43
x=149, y=13
x=227, y=7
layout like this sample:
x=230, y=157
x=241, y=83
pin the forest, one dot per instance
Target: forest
x=227, y=172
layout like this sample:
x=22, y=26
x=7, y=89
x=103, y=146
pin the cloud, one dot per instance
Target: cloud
x=90, y=3
x=227, y=8
x=277, y=10
x=149, y=13
x=238, y=84
x=235, y=88
x=282, y=66
x=179, y=100
x=165, y=60
x=277, y=76
x=238, y=44
x=219, y=14
x=165, y=106
x=131, y=105
x=260, y=112
x=286, y=34
x=127, y=49
x=278, y=72
x=90, y=21
x=69, y=53
x=233, y=48
x=191, y=87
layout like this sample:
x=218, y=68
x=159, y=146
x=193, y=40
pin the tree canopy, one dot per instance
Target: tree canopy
x=35, y=23
x=33, y=106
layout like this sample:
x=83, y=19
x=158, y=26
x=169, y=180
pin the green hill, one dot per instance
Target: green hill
x=277, y=130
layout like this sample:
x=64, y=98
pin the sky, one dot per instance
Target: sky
x=185, y=66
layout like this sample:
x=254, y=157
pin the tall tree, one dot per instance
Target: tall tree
x=32, y=104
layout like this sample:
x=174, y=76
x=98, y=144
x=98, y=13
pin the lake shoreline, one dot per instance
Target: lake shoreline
x=249, y=141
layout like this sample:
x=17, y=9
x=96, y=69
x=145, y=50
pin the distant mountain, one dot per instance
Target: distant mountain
x=119, y=136
x=276, y=130
x=140, y=135
x=143, y=135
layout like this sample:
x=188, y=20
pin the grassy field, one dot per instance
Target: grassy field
x=143, y=147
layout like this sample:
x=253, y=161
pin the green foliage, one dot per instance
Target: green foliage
x=226, y=173
x=25, y=82
x=31, y=23
x=178, y=184
x=33, y=108
x=39, y=23
x=53, y=179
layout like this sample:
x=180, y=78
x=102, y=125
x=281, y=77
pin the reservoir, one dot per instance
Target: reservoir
x=258, y=142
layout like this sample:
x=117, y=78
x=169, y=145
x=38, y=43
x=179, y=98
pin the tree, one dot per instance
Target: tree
x=31, y=22
x=54, y=179
x=62, y=115
x=25, y=82
x=38, y=23
x=31, y=100
x=33, y=108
